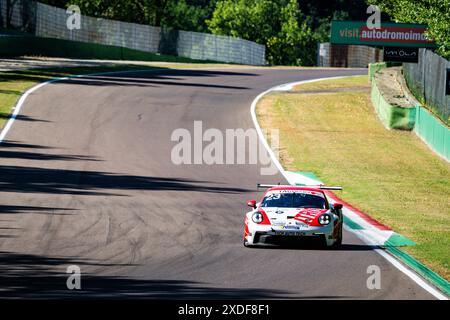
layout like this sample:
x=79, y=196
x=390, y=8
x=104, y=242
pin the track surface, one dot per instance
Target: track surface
x=86, y=179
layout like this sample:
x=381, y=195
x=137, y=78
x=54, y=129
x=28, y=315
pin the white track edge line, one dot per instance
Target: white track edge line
x=396, y=263
x=411, y=274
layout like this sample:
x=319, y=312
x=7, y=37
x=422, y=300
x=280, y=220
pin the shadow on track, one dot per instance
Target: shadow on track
x=43, y=156
x=30, y=179
x=6, y=152
x=60, y=181
x=10, y=209
x=168, y=77
x=21, y=117
x=34, y=276
x=19, y=145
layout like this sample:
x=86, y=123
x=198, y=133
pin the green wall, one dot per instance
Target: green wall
x=433, y=132
x=392, y=117
x=425, y=124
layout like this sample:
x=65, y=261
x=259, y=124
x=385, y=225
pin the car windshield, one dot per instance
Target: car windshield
x=294, y=200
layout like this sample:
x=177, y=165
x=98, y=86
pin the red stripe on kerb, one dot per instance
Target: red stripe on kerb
x=363, y=215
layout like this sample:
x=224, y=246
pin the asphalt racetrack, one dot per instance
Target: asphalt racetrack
x=87, y=179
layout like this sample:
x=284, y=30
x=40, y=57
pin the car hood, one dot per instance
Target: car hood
x=282, y=216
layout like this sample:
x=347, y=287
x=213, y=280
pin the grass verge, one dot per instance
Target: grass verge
x=391, y=175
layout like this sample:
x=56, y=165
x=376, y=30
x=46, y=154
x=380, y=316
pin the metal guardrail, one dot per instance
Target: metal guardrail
x=426, y=80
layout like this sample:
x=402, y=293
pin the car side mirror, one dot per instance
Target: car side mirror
x=252, y=203
x=337, y=206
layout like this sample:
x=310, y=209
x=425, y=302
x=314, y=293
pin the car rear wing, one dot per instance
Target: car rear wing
x=317, y=186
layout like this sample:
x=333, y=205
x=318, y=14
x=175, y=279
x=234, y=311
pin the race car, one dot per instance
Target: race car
x=291, y=212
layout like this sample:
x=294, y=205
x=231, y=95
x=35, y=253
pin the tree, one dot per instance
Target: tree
x=177, y=14
x=137, y=11
x=434, y=13
x=188, y=15
x=278, y=24
x=295, y=44
x=255, y=20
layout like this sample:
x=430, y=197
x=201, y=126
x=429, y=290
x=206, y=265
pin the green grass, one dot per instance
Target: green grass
x=391, y=175
x=347, y=82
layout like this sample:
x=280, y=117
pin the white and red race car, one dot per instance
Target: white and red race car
x=292, y=212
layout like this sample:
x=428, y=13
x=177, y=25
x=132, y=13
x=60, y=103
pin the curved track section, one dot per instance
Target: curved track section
x=87, y=179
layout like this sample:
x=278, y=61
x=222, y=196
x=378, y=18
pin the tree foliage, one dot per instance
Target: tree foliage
x=434, y=13
x=177, y=14
x=278, y=24
x=254, y=20
x=295, y=44
x=138, y=11
x=187, y=15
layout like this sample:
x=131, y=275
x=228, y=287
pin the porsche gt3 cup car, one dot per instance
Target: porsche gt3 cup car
x=292, y=212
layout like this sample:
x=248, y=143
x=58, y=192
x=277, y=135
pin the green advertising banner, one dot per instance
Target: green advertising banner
x=388, y=35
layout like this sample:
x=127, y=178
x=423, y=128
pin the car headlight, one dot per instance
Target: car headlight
x=257, y=217
x=325, y=219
